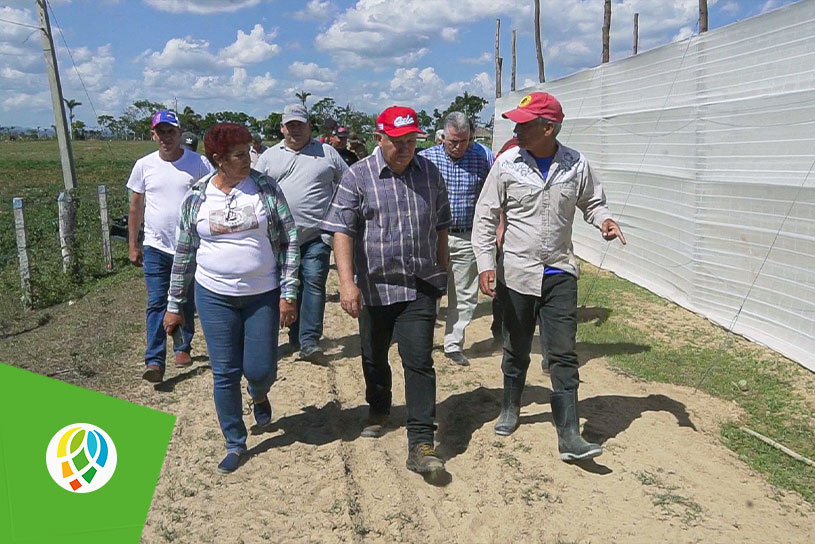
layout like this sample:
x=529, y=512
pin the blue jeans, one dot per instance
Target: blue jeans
x=241, y=334
x=315, y=257
x=157, y=268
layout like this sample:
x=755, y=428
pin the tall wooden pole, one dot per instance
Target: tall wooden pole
x=498, y=58
x=702, y=16
x=514, y=63
x=538, y=47
x=636, y=31
x=606, y=29
x=61, y=126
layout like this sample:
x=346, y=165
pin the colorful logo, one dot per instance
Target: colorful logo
x=81, y=458
x=525, y=100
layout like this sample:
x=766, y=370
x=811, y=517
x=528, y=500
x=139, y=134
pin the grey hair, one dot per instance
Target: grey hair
x=458, y=121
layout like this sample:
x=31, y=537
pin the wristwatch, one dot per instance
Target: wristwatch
x=290, y=300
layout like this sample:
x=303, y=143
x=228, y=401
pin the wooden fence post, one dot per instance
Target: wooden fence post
x=636, y=32
x=514, y=64
x=498, y=58
x=102, y=193
x=22, y=251
x=606, y=30
x=65, y=206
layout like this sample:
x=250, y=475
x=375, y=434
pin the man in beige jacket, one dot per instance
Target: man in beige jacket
x=538, y=186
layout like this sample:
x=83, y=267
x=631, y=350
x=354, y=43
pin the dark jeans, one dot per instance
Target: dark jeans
x=411, y=325
x=315, y=258
x=241, y=334
x=556, y=309
x=157, y=267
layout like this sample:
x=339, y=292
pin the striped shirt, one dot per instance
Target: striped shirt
x=281, y=231
x=464, y=178
x=394, y=220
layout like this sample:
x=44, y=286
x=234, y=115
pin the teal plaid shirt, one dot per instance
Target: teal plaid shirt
x=282, y=235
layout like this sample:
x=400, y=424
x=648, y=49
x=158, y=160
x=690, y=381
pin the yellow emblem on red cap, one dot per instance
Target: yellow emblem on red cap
x=525, y=100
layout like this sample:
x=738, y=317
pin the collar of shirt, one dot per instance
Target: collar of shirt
x=527, y=157
x=382, y=164
x=312, y=142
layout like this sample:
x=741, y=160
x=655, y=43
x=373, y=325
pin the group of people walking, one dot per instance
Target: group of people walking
x=255, y=235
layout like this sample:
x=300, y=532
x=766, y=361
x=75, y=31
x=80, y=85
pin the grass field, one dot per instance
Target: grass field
x=32, y=171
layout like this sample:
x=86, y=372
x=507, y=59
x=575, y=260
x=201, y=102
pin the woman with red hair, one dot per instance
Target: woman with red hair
x=238, y=240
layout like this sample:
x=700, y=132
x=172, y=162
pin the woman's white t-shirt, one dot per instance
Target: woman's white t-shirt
x=235, y=255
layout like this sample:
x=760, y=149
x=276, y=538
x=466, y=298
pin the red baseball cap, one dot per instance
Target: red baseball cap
x=397, y=121
x=534, y=106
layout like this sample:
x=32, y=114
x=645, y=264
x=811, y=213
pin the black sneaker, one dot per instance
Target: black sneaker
x=230, y=463
x=458, y=358
x=375, y=426
x=311, y=354
x=263, y=414
x=287, y=349
x=422, y=458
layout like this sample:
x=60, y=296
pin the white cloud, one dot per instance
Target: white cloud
x=449, y=34
x=250, y=48
x=377, y=33
x=317, y=86
x=484, y=57
x=311, y=71
x=182, y=53
x=315, y=10
x=425, y=89
x=730, y=7
x=201, y=7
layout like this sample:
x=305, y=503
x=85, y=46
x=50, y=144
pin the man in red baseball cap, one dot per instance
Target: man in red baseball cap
x=389, y=217
x=538, y=186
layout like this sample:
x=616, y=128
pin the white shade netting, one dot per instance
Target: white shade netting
x=706, y=149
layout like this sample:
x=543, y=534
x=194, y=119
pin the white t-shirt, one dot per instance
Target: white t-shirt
x=235, y=255
x=164, y=184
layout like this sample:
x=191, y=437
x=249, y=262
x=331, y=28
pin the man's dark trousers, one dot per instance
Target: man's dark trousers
x=410, y=325
x=556, y=309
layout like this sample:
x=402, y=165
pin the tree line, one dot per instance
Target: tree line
x=134, y=123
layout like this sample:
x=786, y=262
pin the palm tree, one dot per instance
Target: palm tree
x=303, y=96
x=71, y=104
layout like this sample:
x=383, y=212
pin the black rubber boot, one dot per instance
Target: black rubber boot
x=508, y=421
x=571, y=445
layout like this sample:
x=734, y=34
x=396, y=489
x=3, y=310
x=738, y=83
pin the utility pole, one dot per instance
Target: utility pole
x=538, y=47
x=514, y=64
x=702, y=16
x=66, y=153
x=498, y=59
x=636, y=31
x=606, y=29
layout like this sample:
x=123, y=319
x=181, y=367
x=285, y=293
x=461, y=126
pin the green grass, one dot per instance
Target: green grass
x=32, y=170
x=774, y=401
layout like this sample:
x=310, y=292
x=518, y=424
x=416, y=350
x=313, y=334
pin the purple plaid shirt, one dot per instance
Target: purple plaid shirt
x=394, y=222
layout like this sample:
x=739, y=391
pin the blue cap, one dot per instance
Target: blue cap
x=164, y=116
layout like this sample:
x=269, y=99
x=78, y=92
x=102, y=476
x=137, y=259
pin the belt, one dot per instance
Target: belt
x=457, y=230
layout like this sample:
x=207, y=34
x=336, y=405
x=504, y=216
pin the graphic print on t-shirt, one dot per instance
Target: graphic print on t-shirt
x=232, y=219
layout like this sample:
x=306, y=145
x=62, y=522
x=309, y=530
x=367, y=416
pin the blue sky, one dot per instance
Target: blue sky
x=253, y=55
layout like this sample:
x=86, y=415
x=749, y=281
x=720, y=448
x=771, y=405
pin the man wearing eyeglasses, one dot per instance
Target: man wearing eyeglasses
x=538, y=186
x=464, y=169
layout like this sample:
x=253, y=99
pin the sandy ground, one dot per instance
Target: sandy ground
x=664, y=476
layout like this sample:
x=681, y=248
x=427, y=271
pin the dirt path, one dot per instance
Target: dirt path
x=664, y=476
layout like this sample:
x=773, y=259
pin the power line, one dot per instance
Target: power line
x=19, y=24
x=76, y=69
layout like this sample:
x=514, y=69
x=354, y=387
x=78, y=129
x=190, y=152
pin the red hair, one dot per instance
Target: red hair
x=223, y=137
